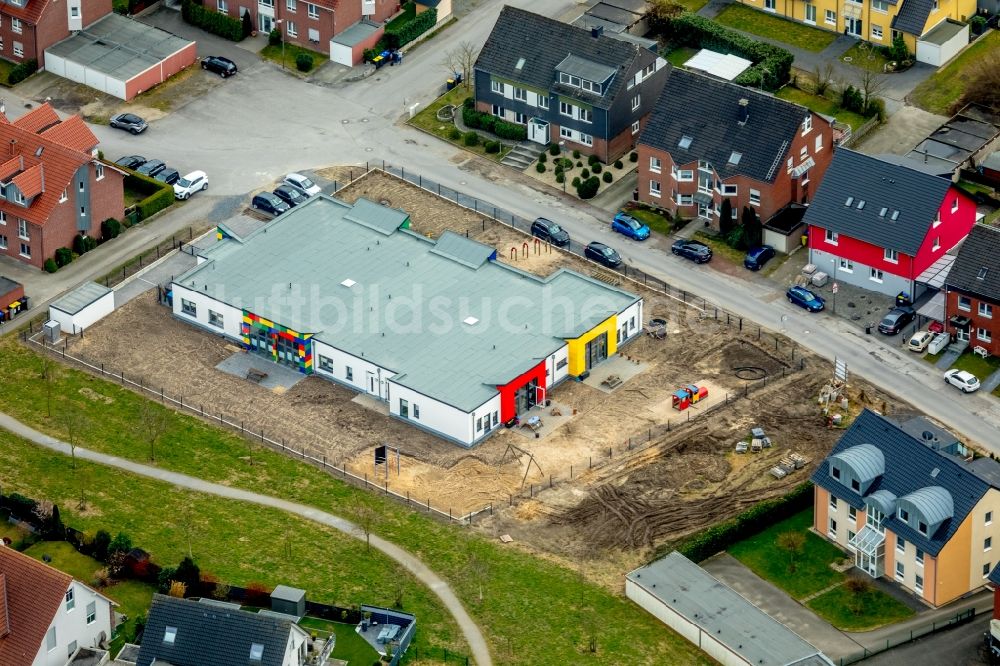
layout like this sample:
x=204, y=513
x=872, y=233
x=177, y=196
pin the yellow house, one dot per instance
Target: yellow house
x=877, y=21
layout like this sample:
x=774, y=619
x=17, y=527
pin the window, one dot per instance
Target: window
x=833, y=502
x=937, y=244
x=22, y=229
x=81, y=186
x=586, y=139
x=937, y=219
x=835, y=472
x=876, y=275
x=635, y=127
x=99, y=169
x=984, y=335
x=655, y=165
x=855, y=485
x=846, y=265
x=819, y=143
x=215, y=319
x=416, y=411
x=922, y=527
x=920, y=557
x=313, y=11
x=876, y=29
x=850, y=537
x=918, y=583
x=50, y=635
x=92, y=612
x=900, y=570
x=404, y=408
x=685, y=199
x=954, y=205
x=565, y=132
x=223, y=7
x=986, y=570
x=169, y=635
x=832, y=236
x=654, y=188
x=496, y=418
x=904, y=515
x=3, y=242
x=520, y=94
x=74, y=12
x=831, y=17
x=63, y=197
x=497, y=111
x=561, y=363
x=636, y=101
x=479, y=424
x=3, y=219
x=256, y=651
x=291, y=5
x=70, y=601
x=291, y=29
x=543, y=102
x=832, y=528
x=985, y=310
x=314, y=35
x=685, y=175
x=730, y=190
x=852, y=513
x=754, y=197
x=586, y=115
x=496, y=86
x=19, y=49
x=25, y=250
x=15, y=26
x=566, y=109
x=325, y=363
x=520, y=118
x=811, y=14
x=964, y=303
x=988, y=518
x=590, y=86
x=189, y=308
x=901, y=544
x=807, y=126
x=349, y=373
x=72, y=646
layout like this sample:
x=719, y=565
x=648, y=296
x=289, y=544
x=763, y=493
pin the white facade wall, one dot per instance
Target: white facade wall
x=491, y=410
x=232, y=317
x=83, y=319
x=365, y=377
x=436, y=416
x=860, y=275
x=294, y=648
x=71, y=626
x=74, y=22
x=557, y=366
x=632, y=318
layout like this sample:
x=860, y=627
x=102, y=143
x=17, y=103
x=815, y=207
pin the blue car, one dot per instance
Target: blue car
x=629, y=226
x=757, y=257
x=804, y=298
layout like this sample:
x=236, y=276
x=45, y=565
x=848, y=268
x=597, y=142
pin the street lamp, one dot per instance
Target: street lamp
x=278, y=23
x=835, y=286
x=562, y=147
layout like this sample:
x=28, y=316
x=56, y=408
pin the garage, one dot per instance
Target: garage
x=942, y=42
x=120, y=57
x=82, y=307
x=348, y=47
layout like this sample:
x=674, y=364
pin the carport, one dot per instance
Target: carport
x=120, y=57
x=942, y=42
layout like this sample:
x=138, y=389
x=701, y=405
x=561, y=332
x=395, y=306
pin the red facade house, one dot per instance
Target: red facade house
x=28, y=27
x=709, y=140
x=878, y=223
x=972, y=290
x=52, y=186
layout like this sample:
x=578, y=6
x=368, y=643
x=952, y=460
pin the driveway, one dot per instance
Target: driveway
x=956, y=647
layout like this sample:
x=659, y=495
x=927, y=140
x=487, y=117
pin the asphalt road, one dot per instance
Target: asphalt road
x=955, y=647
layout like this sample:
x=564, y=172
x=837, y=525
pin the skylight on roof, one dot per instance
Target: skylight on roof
x=849, y=201
x=471, y=321
x=882, y=212
x=895, y=215
x=348, y=283
x=861, y=204
x=169, y=634
x=685, y=142
x=735, y=157
x=256, y=652
x=982, y=273
x=519, y=65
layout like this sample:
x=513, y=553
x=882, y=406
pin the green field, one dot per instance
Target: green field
x=533, y=611
x=822, y=105
x=778, y=29
x=680, y=55
x=939, y=92
x=290, y=52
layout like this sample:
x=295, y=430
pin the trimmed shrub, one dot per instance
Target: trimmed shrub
x=585, y=174
x=978, y=24
x=576, y=154
x=401, y=35
x=510, y=131
x=454, y=134
x=274, y=37
x=122, y=543
x=492, y=146
x=876, y=109
x=619, y=165
x=540, y=168
x=588, y=188
x=852, y=100
x=99, y=546
x=489, y=123
x=607, y=177
x=89, y=243
x=470, y=139
x=212, y=21
x=79, y=246
x=558, y=170
x=22, y=71
x=50, y=265
x=592, y=160
x=596, y=167
x=553, y=149
x=560, y=177
x=110, y=228
x=63, y=256
x=469, y=103
x=575, y=182
x=303, y=62
x=579, y=163
x=159, y=195
x=633, y=157
x=369, y=54
x=542, y=158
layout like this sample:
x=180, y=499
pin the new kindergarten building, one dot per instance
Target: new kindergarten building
x=452, y=340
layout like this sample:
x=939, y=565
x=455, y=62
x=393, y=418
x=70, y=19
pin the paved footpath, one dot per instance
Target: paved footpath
x=470, y=630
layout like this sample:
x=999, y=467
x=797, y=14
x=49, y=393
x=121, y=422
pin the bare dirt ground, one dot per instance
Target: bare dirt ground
x=625, y=474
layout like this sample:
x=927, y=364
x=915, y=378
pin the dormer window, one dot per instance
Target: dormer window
x=922, y=527
x=855, y=485
x=835, y=472
x=904, y=515
x=17, y=196
x=590, y=86
x=569, y=79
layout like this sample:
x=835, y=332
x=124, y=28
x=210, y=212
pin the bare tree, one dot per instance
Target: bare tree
x=660, y=13
x=792, y=543
x=823, y=77
x=873, y=79
x=46, y=372
x=477, y=568
x=186, y=523
x=153, y=421
x=983, y=84
x=71, y=419
x=461, y=60
x=366, y=517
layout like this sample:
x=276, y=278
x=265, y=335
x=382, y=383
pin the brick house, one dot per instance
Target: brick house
x=591, y=90
x=52, y=186
x=878, y=223
x=709, y=140
x=28, y=27
x=972, y=290
x=905, y=501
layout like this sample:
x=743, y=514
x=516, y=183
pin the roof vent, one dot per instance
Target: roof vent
x=597, y=31
x=519, y=65
x=927, y=435
x=471, y=321
x=685, y=142
x=348, y=283
x=849, y=201
x=982, y=273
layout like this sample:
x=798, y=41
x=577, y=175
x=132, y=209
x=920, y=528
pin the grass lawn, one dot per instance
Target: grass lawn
x=427, y=120
x=654, y=220
x=878, y=609
x=407, y=15
x=941, y=90
x=132, y=197
x=680, y=55
x=273, y=53
x=822, y=105
x=349, y=646
x=778, y=29
x=933, y=358
x=543, y=606
x=719, y=248
x=5, y=68
x=977, y=365
x=862, y=55
x=692, y=5
x=812, y=567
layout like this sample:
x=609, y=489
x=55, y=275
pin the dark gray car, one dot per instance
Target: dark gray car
x=151, y=168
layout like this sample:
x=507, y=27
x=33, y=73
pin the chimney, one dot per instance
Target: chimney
x=744, y=111
x=596, y=31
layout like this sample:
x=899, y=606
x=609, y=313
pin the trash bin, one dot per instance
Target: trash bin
x=902, y=298
x=450, y=84
x=868, y=327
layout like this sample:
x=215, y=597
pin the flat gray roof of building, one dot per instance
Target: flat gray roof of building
x=722, y=613
x=7, y=285
x=119, y=47
x=452, y=325
x=286, y=593
x=78, y=299
x=356, y=34
x=943, y=31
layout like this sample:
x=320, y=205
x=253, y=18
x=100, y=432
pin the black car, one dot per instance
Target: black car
x=267, y=202
x=130, y=122
x=896, y=320
x=168, y=176
x=603, y=254
x=131, y=161
x=693, y=250
x=222, y=66
x=549, y=231
x=151, y=168
x=292, y=196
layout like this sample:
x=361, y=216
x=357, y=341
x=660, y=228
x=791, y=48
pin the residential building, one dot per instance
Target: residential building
x=52, y=186
x=46, y=615
x=585, y=89
x=709, y=140
x=451, y=340
x=905, y=500
x=877, y=21
x=182, y=632
x=972, y=290
x=878, y=223
x=28, y=27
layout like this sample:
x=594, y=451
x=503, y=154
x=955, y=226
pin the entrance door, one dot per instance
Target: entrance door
x=538, y=131
x=372, y=383
x=853, y=26
x=623, y=333
x=266, y=23
x=597, y=350
x=525, y=397
x=963, y=333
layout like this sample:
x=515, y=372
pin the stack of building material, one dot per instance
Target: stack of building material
x=778, y=472
x=741, y=447
x=755, y=446
x=799, y=461
x=760, y=437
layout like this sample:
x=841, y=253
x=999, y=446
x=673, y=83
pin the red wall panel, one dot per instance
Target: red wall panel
x=508, y=407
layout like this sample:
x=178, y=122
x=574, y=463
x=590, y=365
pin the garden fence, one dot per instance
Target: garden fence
x=910, y=635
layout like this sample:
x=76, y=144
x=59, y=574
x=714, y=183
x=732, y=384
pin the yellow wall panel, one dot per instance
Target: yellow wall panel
x=578, y=346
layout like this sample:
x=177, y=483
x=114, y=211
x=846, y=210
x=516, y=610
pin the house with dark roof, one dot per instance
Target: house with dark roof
x=53, y=187
x=28, y=27
x=972, y=290
x=47, y=617
x=589, y=90
x=910, y=506
x=183, y=632
x=878, y=223
x=709, y=140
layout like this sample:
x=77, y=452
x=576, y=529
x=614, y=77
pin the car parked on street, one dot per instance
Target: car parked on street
x=130, y=122
x=131, y=161
x=757, y=257
x=224, y=67
x=603, y=254
x=304, y=183
x=919, y=341
x=269, y=203
x=196, y=181
x=168, y=176
x=804, y=298
x=292, y=196
x=693, y=250
x=550, y=232
x=151, y=168
x=896, y=320
x=628, y=226
x=962, y=379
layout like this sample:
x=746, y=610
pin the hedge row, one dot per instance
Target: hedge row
x=771, y=67
x=760, y=516
x=211, y=21
x=399, y=36
x=160, y=194
x=22, y=71
x=484, y=121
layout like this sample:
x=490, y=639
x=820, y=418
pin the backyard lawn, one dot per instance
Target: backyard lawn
x=874, y=609
x=653, y=220
x=977, y=365
x=349, y=646
x=680, y=55
x=821, y=105
x=941, y=90
x=427, y=120
x=775, y=28
x=529, y=602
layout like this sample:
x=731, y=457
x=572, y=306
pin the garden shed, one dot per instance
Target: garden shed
x=82, y=307
x=288, y=600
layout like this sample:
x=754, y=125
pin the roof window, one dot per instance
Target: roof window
x=982, y=273
x=256, y=652
x=882, y=212
x=861, y=204
x=849, y=201
x=169, y=635
x=895, y=215
x=519, y=65
x=735, y=158
x=685, y=142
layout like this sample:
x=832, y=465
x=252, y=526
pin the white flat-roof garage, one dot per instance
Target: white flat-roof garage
x=82, y=307
x=454, y=341
x=120, y=56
